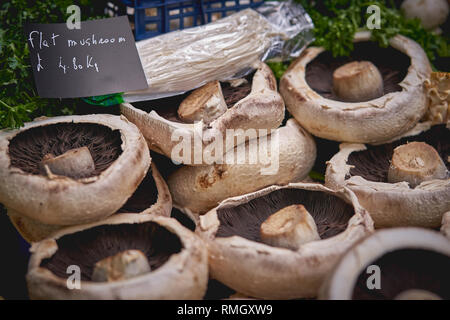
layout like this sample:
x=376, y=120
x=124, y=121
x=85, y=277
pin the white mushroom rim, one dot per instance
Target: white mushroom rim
x=260, y=270
x=180, y=272
x=341, y=283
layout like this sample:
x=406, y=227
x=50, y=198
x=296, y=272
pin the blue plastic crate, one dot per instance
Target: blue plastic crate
x=155, y=17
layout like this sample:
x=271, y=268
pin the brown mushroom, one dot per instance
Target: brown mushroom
x=255, y=104
x=66, y=192
x=176, y=258
x=240, y=259
x=393, y=264
x=371, y=117
x=415, y=162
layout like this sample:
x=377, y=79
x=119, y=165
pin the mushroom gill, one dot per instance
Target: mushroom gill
x=406, y=269
x=331, y=214
x=28, y=148
x=373, y=163
x=391, y=64
x=88, y=247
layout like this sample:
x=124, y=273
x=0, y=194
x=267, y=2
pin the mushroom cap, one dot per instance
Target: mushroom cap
x=158, y=205
x=262, y=271
x=64, y=201
x=363, y=122
x=393, y=204
x=184, y=275
x=341, y=283
x=199, y=189
x=263, y=108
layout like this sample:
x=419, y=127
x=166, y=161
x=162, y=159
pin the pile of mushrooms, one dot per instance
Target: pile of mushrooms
x=399, y=263
x=402, y=183
x=372, y=96
x=73, y=170
x=200, y=188
x=252, y=103
x=280, y=242
x=127, y=256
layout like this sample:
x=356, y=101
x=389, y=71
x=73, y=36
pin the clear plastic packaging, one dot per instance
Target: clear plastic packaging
x=226, y=49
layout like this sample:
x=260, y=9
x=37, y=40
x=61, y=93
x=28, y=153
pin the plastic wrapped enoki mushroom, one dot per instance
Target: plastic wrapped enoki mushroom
x=402, y=183
x=69, y=170
x=127, y=256
x=249, y=103
x=281, y=242
x=393, y=264
x=372, y=96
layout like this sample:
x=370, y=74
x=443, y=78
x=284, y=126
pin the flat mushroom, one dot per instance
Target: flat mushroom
x=199, y=189
x=127, y=256
x=372, y=96
x=69, y=170
x=393, y=264
x=402, y=183
x=247, y=104
x=241, y=259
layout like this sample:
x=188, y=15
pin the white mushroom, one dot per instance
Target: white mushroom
x=262, y=108
x=431, y=13
x=414, y=163
x=392, y=264
x=122, y=156
x=292, y=153
x=177, y=257
x=240, y=259
x=372, y=121
x=289, y=228
x=358, y=81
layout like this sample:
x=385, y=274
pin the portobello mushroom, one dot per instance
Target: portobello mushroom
x=250, y=104
x=399, y=263
x=240, y=257
x=402, y=183
x=198, y=189
x=372, y=96
x=69, y=170
x=127, y=256
x=438, y=96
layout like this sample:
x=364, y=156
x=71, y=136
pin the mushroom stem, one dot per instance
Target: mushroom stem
x=75, y=163
x=205, y=103
x=414, y=163
x=358, y=81
x=124, y=265
x=289, y=228
x=417, y=294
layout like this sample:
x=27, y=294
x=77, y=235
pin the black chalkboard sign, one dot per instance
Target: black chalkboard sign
x=99, y=58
